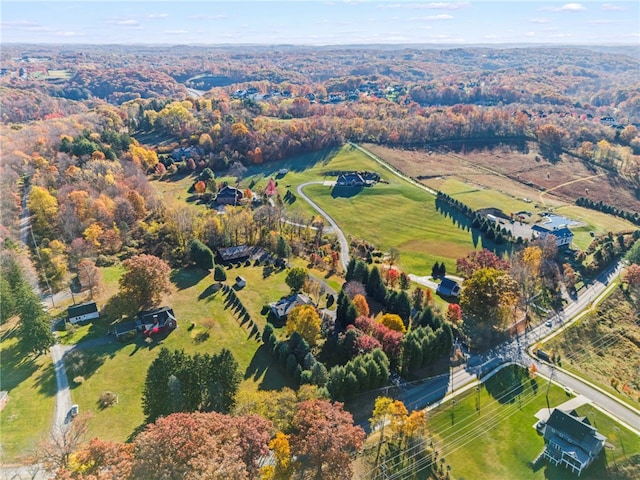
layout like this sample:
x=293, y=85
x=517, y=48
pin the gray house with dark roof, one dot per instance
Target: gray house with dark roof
x=283, y=307
x=570, y=441
x=448, y=288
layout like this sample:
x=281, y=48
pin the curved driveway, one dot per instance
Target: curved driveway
x=344, y=245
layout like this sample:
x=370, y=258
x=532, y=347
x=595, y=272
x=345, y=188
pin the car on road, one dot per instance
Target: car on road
x=548, y=323
x=73, y=411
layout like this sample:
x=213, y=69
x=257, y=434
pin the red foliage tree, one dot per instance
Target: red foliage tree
x=480, y=259
x=325, y=435
x=454, y=313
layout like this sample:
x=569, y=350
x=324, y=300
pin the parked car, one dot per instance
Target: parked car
x=73, y=411
x=548, y=323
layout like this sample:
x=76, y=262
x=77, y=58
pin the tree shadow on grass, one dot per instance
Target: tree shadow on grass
x=263, y=366
x=506, y=385
x=345, y=192
x=210, y=291
x=16, y=366
x=186, y=278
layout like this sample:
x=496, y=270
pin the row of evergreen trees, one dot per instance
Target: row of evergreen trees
x=179, y=382
x=295, y=358
x=633, y=217
x=361, y=374
x=490, y=229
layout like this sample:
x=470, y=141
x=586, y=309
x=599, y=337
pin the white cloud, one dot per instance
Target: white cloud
x=434, y=18
x=207, y=17
x=128, y=23
x=69, y=34
x=530, y=34
x=600, y=22
x=18, y=23
x=567, y=7
x=612, y=8
x=156, y=16
x=175, y=32
x=431, y=6
x=539, y=20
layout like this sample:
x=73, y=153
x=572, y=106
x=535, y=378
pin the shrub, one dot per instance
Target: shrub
x=219, y=275
x=107, y=399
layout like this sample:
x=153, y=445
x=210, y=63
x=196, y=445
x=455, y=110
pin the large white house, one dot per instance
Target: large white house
x=563, y=235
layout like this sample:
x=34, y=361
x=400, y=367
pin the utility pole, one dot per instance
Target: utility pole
x=548, y=387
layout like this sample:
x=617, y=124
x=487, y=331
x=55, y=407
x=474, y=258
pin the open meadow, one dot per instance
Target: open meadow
x=604, y=346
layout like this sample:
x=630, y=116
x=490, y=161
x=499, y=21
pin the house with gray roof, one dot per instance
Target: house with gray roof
x=283, y=307
x=570, y=441
x=82, y=312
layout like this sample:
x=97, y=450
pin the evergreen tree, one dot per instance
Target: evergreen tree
x=223, y=380
x=375, y=286
x=201, y=255
x=403, y=306
x=283, y=250
x=361, y=272
x=157, y=394
x=34, y=330
x=351, y=266
x=219, y=274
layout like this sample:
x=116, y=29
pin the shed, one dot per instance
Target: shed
x=241, y=282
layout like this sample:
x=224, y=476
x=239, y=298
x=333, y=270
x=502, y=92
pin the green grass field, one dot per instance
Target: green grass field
x=498, y=441
x=393, y=213
x=27, y=417
x=122, y=367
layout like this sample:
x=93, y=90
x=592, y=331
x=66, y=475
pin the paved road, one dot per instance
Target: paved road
x=436, y=390
x=344, y=245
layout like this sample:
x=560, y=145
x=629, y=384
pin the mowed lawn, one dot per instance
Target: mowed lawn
x=392, y=214
x=27, y=417
x=122, y=367
x=498, y=441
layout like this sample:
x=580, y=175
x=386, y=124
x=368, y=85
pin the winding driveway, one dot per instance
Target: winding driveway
x=344, y=245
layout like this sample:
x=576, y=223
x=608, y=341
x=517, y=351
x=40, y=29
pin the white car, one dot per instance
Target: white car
x=73, y=411
x=548, y=323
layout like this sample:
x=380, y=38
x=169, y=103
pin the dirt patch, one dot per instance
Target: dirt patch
x=523, y=173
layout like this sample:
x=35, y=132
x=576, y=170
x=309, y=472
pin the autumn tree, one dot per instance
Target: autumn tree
x=55, y=452
x=90, y=276
x=393, y=322
x=305, y=320
x=480, y=259
x=283, y=468
x=100, y=459
x=200, y=187
x=201, y=445
x=145, y=281
x=296, y=278
x=487, y=300
x=525, y=269
x=362, y=307
x=632, y=278
x=454, y=313
x=43, y=207
x=323, y=433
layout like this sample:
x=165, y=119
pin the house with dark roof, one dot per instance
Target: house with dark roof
x=570, y=441
x=237, y=253
x=229, y=195
x=82, y=312
x=563, y=235
x=149, y=322
x=350, y=179
x=283, y=307
x=448, y=288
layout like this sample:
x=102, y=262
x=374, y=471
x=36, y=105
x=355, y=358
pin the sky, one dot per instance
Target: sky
x=317, y=22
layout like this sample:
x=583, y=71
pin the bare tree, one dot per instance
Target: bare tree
x=54, y=452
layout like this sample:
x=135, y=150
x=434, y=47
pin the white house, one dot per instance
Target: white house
x=563, y=235
x=82, y=312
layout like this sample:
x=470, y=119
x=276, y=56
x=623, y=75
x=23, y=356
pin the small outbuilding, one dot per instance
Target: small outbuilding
x=241, y=282
x=82, y=312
